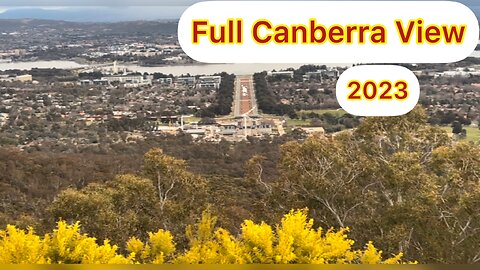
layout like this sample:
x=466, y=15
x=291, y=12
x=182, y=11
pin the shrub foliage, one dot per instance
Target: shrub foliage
x=294, y=240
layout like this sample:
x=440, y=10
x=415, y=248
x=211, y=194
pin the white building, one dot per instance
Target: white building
x=209, y=82
x=458, y=72
x=129, y=80
x=24, y=78
x=189, y=81
x=286, y=73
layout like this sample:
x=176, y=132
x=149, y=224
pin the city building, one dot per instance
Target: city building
x=209, y=82
x=24, y=78
x=186, y=81
x=130, y=80
x=317, y=75
x=286, y=73
x=228, y=129
x=330, y=72
x=167, y=81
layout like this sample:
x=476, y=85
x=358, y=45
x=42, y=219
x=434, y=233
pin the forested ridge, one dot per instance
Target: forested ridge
x=395, y=181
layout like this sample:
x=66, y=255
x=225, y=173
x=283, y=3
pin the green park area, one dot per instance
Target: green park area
x=335, y=112
x=306, y=120
x=473, y=133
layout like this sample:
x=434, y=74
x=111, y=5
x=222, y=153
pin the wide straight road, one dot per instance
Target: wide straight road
x=244, y=100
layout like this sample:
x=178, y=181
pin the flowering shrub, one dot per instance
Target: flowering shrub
x=294, y=240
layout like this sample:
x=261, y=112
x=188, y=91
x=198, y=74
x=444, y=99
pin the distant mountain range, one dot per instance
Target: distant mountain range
x=97, y=14
x=114, y=28
x=108, y=14
x=62, y=15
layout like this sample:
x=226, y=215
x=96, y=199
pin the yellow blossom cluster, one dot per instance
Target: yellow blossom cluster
x=294, y=240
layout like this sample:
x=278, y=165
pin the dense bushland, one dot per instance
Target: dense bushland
x=396, y=181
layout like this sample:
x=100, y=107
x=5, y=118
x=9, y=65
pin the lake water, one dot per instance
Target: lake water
x=40, y=64
x=207, y=69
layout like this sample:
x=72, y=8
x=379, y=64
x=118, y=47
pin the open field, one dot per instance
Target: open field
x=473, y=133
x=336, y=112
x=192, y=119
x=306, y=122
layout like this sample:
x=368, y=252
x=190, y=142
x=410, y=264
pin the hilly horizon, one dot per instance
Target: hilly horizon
x=97, y=14
x=168, y=27
x=108, y=14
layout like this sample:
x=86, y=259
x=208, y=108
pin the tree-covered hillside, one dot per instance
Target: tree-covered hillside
x=396, y=181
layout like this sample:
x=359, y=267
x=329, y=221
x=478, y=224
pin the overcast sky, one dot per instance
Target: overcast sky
x=129, y=2
x=118, y=9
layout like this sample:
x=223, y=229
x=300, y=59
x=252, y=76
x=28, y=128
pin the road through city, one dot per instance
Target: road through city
x=245, y=102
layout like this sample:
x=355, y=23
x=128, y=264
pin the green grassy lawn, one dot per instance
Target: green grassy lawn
x=473, y=133
x=298, y=122
x=191, y=119
x=339, y=112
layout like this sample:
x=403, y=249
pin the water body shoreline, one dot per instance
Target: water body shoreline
x=176, y=70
